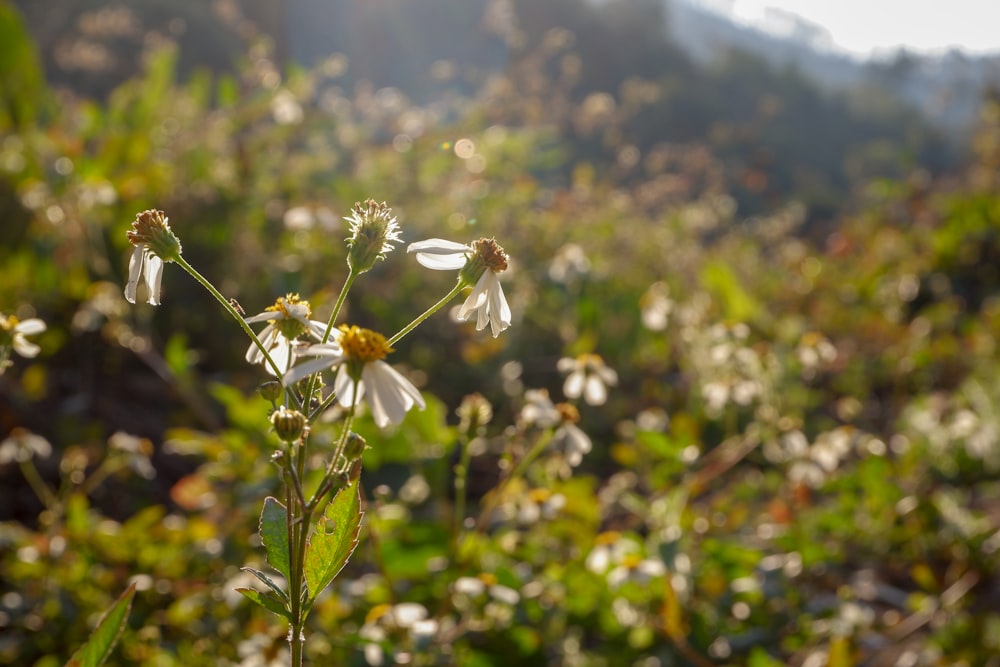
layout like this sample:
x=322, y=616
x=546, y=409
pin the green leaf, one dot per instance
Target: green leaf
x=267, y=581
x=334, y=541
x=105, y=635
x=266, y=601
x=274, y=534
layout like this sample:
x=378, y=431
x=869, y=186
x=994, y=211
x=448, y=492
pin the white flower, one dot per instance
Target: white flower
x=479, y=263
x=287, y=319
x=588, y=376
x=154, y=243
x=358, y=354
x=13, y=332
x=539, y=410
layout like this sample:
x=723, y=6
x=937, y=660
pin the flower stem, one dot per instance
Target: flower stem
x=231, y=310
x=518, y=470
x=351, y=277
x=433, y=309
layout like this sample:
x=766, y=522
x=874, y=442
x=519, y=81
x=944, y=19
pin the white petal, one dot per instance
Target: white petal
x=345, y=388
x=475, y=300
x=317, y=329
x=307, y=368
x=29, y=327
x=261, y=317
x=154, y=272
x=566, y=365
x=267, y=338
x=23, y=347
x=573, y=386
x=389, y=393
x=440, y=254
x=134, y=269
x=499, y=310
x=594, y=391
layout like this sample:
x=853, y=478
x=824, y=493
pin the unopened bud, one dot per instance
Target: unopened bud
x=270, y=391
x=288, y=424
x=355, y=446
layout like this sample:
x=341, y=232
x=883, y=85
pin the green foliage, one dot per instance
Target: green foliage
x=98, y=648
x=797, y=462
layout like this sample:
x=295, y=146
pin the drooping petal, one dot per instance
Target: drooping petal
x=573, y=386
x=500, y=316
x=348, y=392
x=154, y=273
x=134, y=270
x=267, y=339
x=594, y=391
x=328, y=355
x=440, y=254
x=389, y=393
x=475, y=301
x=24, y=347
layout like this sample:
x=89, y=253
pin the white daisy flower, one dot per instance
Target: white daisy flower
x=13, y=332
x=155, y=244
x=358, y=353
x=539, y=410
x=588, y=376
x=479, y=264
x=287, y=319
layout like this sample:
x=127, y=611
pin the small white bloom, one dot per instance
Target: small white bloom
x=357, y=354
x=588, y=376
x=13, y=332
x=540, y=411
x=479, y=263
x=287, y=319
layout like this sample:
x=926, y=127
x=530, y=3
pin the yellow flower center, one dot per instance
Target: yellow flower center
x=363, y=345
x=488, y=578
x=568, y=413
x=292, y=310
x=608, y=537
x=631, y=561
x=8, y=323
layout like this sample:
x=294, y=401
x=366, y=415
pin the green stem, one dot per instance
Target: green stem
x=351, y=277
x=37, y=485
x=461, y=479
x=518, y=470
x=231, y=310
x=433, y=309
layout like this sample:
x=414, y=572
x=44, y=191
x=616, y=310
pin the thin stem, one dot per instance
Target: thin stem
x=461, y=480
x=433, y=309
x=518, y=470
x=327, y=483
x=351, y=277
x=231, y=310
x=37, y=485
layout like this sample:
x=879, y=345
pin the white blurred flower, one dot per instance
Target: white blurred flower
x=569, y=264
x=587, y=376
x=479, y=264
x=286, y=320
x=357, y=354
x=13, y=332
x=655, y=307
x=540, y=411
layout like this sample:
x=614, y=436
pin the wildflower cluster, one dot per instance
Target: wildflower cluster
x=298, y=350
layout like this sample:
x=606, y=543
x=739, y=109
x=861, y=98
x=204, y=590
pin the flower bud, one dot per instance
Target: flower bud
x=288, y=424
x=270, y=391
x=355, y=446
x=373, y=228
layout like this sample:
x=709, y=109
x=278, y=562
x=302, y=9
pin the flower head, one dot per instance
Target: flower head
x=286, y=320
x=587, y=376
x=358, y=356
x=155, y=244
x=479, y=264
x=540, y=411
x=13, y=332
x=373, y=229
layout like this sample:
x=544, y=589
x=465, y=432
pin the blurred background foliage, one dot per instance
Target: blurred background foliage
x=799, y=293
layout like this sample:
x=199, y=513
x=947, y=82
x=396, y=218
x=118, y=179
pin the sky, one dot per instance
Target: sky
x=873, y=27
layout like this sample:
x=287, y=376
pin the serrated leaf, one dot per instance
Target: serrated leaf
x=266, y=601
x=105, y=635
x=274, y=535
x=334, y=541
x=267, y=581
